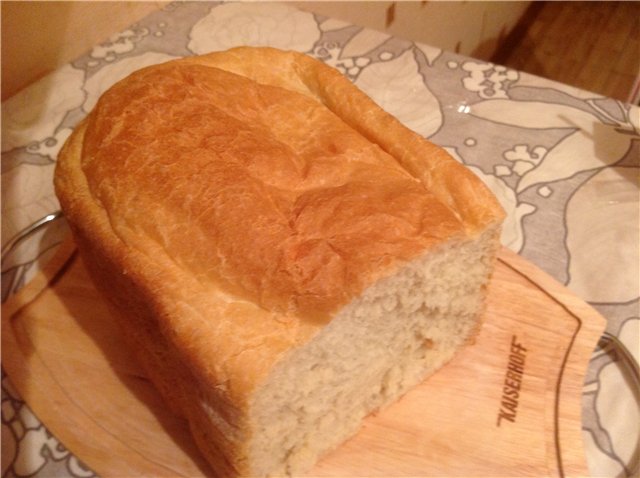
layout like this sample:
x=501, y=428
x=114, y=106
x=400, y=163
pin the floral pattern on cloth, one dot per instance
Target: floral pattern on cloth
x=563, y=162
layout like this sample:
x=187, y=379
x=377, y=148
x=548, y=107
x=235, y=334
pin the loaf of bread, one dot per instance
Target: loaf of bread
x=283, y=255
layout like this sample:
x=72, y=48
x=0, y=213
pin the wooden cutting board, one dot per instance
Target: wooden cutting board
x=509, y=405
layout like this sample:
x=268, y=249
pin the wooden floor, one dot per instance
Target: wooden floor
x=592, y=45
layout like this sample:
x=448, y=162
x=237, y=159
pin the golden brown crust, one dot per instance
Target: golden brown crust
x=452, y=183
x=295, y=219
x=233, y=202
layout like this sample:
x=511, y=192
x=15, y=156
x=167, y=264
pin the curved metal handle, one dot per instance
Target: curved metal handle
x=610, y=343
x=13, y=275
x=26, y=232
x=614, y=347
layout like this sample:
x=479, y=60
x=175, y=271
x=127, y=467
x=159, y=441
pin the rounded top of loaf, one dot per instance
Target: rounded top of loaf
x=270, y=176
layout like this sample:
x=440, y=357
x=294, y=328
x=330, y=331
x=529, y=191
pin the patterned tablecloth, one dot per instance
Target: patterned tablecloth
x=563, y=162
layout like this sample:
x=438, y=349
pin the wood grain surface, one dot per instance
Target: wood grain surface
x=509, y=405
